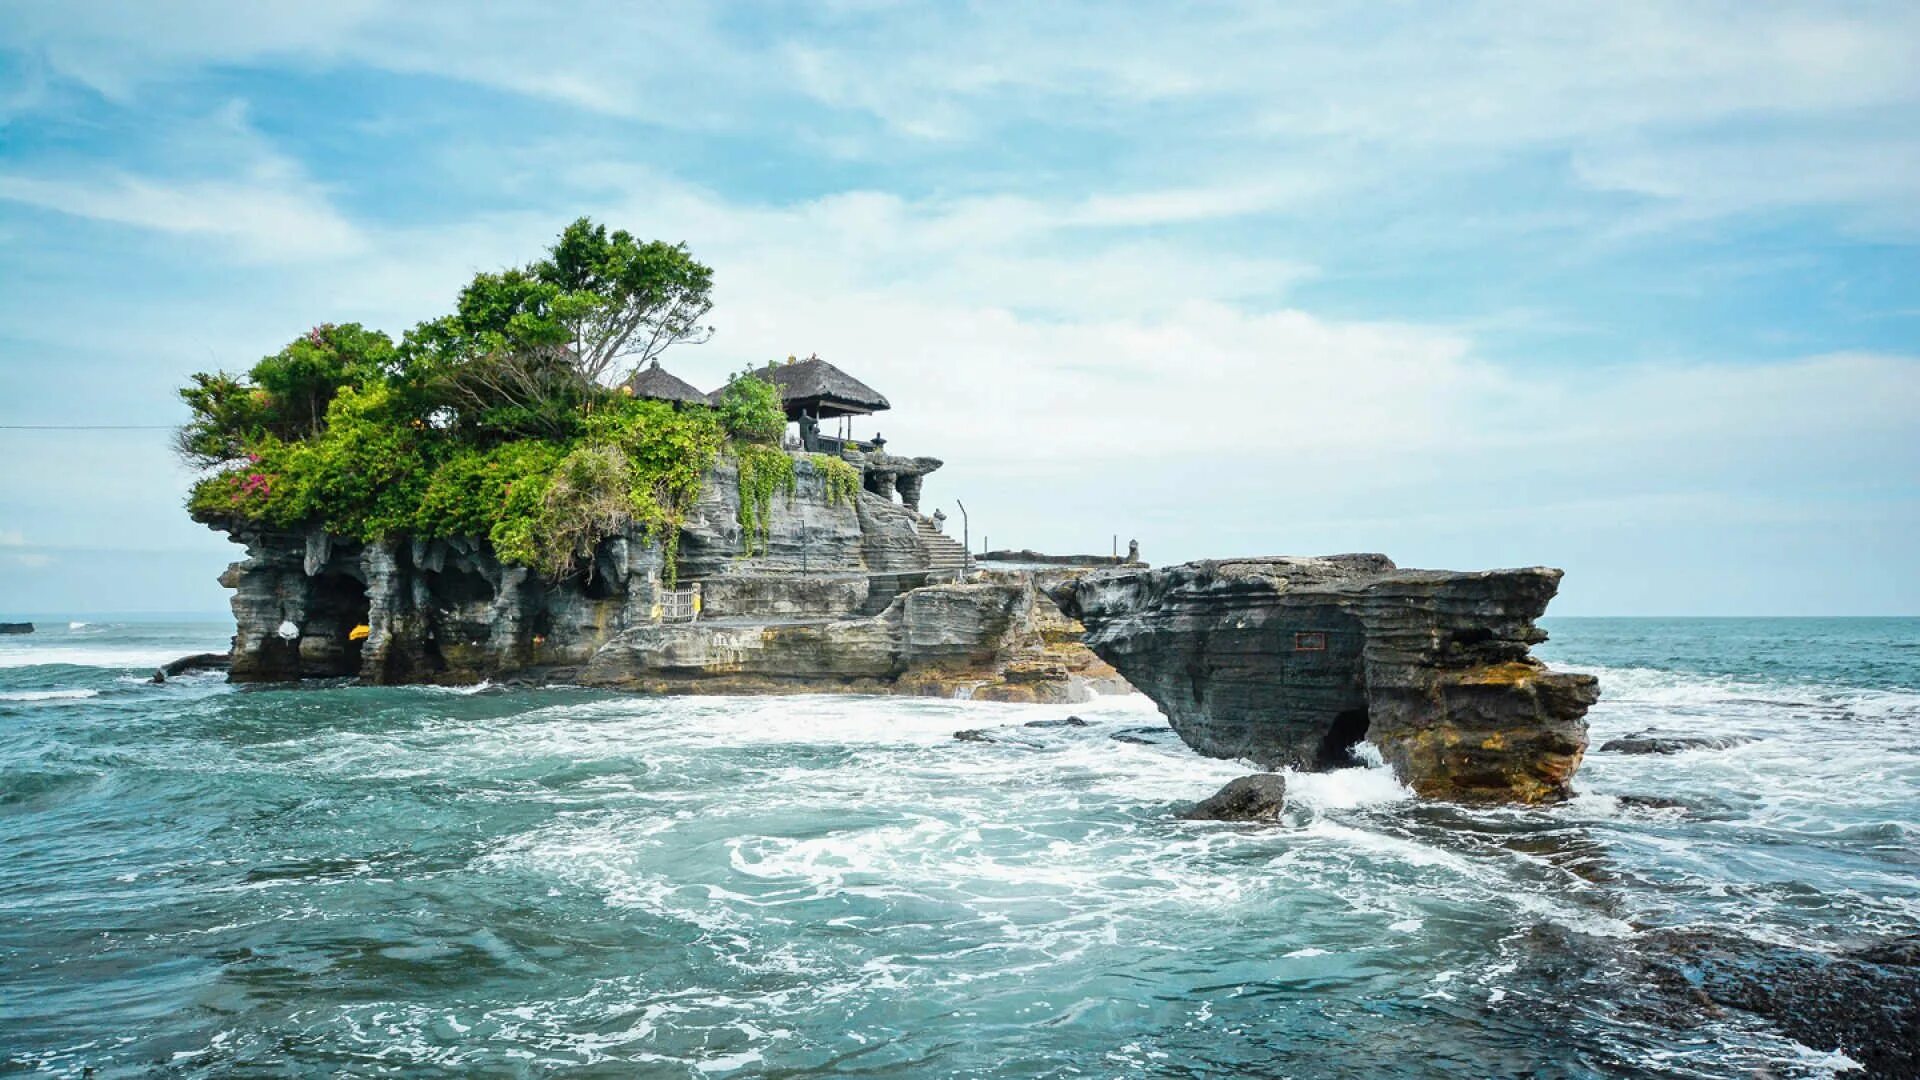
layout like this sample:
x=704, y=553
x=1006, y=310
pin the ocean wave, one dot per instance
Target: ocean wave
x=47, y=695
x=105, y=656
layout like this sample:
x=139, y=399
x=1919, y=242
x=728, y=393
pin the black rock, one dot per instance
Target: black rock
x=1145, y=736
x=1648, y=743
x=1259, y=797
x=1071, y=721
x=1864, y=1003
x=973, y=735
x=16, y=628
x=1650, y=802
x=206, y=661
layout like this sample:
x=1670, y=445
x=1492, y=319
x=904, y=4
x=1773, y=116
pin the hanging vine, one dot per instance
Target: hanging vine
x=842, y=479
x=764, y=471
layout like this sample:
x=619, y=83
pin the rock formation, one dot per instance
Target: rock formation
x=858, y=595
x=1293, y=661
x=1259, y=797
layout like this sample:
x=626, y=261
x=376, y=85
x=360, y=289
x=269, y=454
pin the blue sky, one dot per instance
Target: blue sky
x=1632, y=289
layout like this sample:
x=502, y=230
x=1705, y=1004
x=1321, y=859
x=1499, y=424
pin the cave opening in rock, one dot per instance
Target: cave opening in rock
x=1348, y=730
x=336, y=605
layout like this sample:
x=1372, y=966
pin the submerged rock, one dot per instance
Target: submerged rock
x=1293, y=661
x=1259, y=797
x=1862, y=1002
x=1071, y=721
x=1646, y=743
x=16, y=628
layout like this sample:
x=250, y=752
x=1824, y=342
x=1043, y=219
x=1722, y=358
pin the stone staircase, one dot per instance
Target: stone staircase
x=944, y=553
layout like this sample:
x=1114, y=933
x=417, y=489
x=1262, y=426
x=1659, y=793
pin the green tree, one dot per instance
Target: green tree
x=750, y=409
x=619, y=298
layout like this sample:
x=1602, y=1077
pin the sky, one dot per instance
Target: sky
x=1631, y=289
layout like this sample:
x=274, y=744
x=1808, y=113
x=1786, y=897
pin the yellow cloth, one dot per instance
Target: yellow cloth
x=359, y=633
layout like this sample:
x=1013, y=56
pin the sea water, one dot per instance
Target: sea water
x=203, y=880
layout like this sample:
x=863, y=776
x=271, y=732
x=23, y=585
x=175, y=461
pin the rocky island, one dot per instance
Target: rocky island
x=479, y=501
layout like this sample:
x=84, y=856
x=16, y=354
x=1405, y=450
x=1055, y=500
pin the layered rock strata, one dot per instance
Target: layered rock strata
x=846, y=596
x=1294, y=661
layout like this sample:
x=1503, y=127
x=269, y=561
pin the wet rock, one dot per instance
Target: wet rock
x=973, y=735
x=1650, y=802
x=1259, y=797
x=1864, y=1003
x=1071, y=721
x=1647, y=743
x=1293, y=661
x=1145, y=736
x=16, y=628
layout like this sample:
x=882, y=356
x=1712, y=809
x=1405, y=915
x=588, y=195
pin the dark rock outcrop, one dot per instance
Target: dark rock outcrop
x=206, y=661
x=847, y=596
x=1293, y=661
x=1863, y=1002
x=16, y=628
x=1259, y=797
x=1649, y=743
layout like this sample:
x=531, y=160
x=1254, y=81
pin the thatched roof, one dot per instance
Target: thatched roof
x=654, y=381
x=817, y=387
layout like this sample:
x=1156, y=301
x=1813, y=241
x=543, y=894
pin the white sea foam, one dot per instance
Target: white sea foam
x=102, y=656
x=47, y=695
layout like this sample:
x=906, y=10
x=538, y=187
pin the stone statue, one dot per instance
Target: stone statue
x=1133, y=551
x=939, y=521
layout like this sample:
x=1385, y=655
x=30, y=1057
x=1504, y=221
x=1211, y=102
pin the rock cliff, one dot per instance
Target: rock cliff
x=1293, y=661
x=855, y=595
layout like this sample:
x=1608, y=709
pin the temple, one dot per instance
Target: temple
x=813, y=390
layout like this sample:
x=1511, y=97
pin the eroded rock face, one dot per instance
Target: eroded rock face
x=837, y=600
x=1293, y=661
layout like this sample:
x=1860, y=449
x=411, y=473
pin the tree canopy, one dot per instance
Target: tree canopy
x=495, y=420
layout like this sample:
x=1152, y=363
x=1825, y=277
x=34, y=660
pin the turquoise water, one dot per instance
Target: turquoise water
x=203, y=881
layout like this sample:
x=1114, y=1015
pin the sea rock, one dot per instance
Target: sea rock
x=196, y=662
x=1259, y=797
x=1863, y=1002
x=1292, y=661
x=851, y=596
x=1071, y=721
x=1647, y=743
x=16, y=628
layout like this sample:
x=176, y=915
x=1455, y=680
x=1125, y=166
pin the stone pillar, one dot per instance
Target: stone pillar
x=881, y=484
x=910, y=491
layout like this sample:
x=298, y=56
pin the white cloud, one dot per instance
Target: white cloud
x=240, y=193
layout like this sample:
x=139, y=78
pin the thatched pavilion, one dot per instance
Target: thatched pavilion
x=658, y=384
x=813, y=390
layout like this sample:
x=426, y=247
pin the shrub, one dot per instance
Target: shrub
x=842, y=479
x=750, y=409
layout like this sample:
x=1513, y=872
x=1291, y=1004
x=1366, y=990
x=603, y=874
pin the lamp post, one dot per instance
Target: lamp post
x=966, y=540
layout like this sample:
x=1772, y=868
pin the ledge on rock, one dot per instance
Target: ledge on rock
x=1292, y=661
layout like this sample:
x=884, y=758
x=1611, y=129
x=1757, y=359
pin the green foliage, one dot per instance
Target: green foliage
x=764, y=470
x=285, y=396
x=750, y=409
x=842, y=479
x=616, y=297
x=477, y=492
x=489, y=421
x=586, y=502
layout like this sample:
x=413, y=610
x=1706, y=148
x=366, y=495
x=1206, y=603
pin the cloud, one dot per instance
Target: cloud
x=241, y=194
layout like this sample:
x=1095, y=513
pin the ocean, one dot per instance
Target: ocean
x=198, y=880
